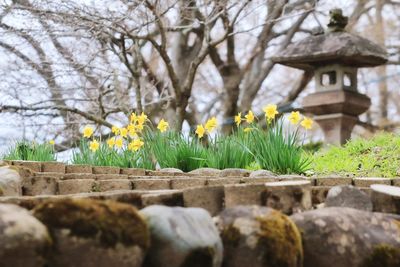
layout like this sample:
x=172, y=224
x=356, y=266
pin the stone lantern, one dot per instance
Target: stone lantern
x=334, y=56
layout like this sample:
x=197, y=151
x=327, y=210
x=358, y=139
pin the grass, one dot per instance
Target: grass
x=106, y=156
x=375, y=157
x=229, y=151
x=277, y=151
x=173, y=150
x=24, y=150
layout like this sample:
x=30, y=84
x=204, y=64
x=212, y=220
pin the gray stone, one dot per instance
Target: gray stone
x=234, y=172
x=94, y=233
x=344, y=237
x=206, y=172
x=182, y=237
x=348, y=196
x=10, y=182
x=23, y=239
x=262, y=173
x=259, y=237
x=173, y=170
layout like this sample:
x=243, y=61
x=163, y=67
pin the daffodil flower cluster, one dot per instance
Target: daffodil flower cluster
x=129, y=136
x=208, y=127
x=271, y=111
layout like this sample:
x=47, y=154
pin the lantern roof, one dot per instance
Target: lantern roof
x=335, y=46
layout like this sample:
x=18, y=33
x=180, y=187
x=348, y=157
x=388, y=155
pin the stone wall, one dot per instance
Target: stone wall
x=259, y=219
x=207, y=188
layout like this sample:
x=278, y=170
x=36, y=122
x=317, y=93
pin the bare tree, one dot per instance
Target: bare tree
x=71, y=62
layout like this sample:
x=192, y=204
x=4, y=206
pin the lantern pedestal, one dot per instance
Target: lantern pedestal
x=337, y=127
x=336, y=112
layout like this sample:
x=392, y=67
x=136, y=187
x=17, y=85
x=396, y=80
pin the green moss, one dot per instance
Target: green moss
x=383, y=256
x=230, y=235
x=111, y=222
x=202, y=257
x=282, y=240
x=375, y=157
x=95, y=187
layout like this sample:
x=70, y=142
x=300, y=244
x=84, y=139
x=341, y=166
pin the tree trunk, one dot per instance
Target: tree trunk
x=381, y=70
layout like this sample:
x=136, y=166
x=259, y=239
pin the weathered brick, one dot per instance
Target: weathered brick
x=151, y=184
x=243, y=194
x=366, y=182
x=181, y=183
x=78, y=168
x=223, y=181
x=333, y=181
x=53, y=166
x=39, y=185
x=210, y=198
x=110, y=176
x=106, y=170
x=75, y=186
x=133, y=171
x=114, y=184
x=35, y=166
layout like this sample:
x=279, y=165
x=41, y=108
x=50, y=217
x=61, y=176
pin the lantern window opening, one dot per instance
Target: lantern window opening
x=347, y=80
x=328, y=78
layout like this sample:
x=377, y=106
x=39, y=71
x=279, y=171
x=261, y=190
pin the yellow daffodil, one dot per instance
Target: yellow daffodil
x=247, y=129
x=141, y=119
x=211, y=124
x=162, y=125
x=87, y=132
x=94, y=145
x=200, y=131
x=131, y=130
x=307, y=123
x=250, y=117
x=270, y=111
x=238, y=119
x=135, y=145
x=139, y=127
x=111, y=142
x=294, y=117
x=52, y=142
x=115, y=130
x=133, y=117
x=119, y=142
x=123, y=132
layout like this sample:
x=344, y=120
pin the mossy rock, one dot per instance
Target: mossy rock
x=108, y=221
x=349, y=237
x=383, y=256
x=259, y=236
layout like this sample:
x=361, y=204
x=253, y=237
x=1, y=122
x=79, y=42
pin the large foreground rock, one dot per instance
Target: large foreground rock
x=10, y=182
x=348, y=196
x=23, y=239
x=94, y=233
x=182, y=237
x=257, y=236
x=345, y=237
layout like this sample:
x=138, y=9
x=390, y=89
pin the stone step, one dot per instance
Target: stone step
x=137, y=198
